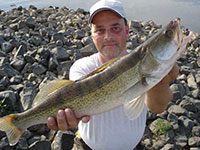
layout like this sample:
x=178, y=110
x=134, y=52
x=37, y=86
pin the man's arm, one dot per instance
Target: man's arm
x=159, y=96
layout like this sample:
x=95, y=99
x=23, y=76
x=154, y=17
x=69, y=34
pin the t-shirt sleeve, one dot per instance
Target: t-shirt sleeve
x=82, y=67
x=76, y=71
x=79, y=69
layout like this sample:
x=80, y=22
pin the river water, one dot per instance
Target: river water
x=160, y=11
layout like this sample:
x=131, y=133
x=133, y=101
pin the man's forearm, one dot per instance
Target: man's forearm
x=158, y=97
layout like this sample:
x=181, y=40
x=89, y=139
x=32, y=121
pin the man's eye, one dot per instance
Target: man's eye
x=99, y=31
x=116, y=29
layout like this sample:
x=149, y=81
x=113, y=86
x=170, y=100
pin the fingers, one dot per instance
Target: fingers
x=71, y=118
x=52, y=123
x=64, y=120
x=85, y=119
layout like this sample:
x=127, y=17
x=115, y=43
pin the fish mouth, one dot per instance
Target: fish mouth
x=176, y=44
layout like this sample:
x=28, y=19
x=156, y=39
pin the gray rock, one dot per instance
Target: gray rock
x=16, y=79
x=197, y=104
x=62, y=141
x=197, y=77
x=60, y=53
x=194, y=141
x=191, y=81
x=63, y=69
x=1, y=39
x=18, y=63
x=134, y=24
x=88, y=50
x=21, y=25
x=28, y=68
x=2, y=73
x=4, y=145
x=27, y=95
x=14, y=26
x=4, y=81
x=185, y=70
x=196, y=93
x=9, y=96
x=181, y=140
x=2, y=54
x=7, y=47
x=177, y=110
x=29, y=59
x=168, y=147
x=187, y=123
x=30, y=22
x=36, y=40
x=58, y=36
x=188, y=105
x=39, y=69
x=21, y=50
x=17, y=87
x=8, y=70
x=59, y=43
x=86, y=40
x=53, y=63
x=79, y=34
x=40, y=128
x=22, y=144
x=196, y=131
x=40, y=145
x=160, y=143
x=195, y=148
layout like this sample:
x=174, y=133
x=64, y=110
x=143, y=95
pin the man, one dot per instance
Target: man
x=110, y=130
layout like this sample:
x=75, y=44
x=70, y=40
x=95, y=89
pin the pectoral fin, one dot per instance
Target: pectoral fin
x=135, y=107
x=49, y=88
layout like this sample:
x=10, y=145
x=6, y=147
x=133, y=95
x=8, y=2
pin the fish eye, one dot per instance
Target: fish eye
x=169, y=33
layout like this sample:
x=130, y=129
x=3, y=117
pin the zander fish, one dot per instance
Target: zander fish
x=121, y=81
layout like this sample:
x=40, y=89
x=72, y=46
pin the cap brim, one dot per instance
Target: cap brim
x=101, y=9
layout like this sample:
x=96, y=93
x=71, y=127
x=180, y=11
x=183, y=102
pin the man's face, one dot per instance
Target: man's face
x=109, y=34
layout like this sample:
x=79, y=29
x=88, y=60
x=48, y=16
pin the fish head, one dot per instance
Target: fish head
x=170, y=42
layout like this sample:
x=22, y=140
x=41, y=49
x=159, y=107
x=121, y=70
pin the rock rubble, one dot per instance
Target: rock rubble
x=38, y=45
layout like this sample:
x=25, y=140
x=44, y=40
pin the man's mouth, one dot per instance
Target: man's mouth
x=109, y=44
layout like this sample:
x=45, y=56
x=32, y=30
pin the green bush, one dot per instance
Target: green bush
x=161, y=127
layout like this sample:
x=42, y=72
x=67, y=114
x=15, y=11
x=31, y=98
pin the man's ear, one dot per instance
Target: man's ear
x=127, y=32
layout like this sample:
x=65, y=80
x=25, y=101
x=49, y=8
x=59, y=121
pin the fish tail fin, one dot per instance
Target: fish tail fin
x=7, y=125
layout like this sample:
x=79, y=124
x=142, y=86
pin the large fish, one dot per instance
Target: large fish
x=121, y=81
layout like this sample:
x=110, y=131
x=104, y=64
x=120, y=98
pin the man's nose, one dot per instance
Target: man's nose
x=108, y=35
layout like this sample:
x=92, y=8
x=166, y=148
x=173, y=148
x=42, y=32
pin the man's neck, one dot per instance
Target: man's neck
x=104, y=60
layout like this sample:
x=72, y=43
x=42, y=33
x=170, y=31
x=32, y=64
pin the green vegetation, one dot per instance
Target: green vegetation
x=5, y=109
x=161, y=127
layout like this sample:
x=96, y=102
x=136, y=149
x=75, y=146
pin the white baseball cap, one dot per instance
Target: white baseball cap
x=113, y=5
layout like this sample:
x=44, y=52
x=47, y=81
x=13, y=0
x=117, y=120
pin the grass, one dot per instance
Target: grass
x=5, y=109
x=161, y=127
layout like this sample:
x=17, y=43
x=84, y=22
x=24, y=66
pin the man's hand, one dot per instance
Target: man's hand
x=159, y=96
x=64, y=120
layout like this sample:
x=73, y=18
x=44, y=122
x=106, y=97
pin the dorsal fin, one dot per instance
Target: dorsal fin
x=49, y=88
x=101, y=68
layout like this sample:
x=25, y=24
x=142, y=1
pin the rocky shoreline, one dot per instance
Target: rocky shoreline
x=38, y=45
